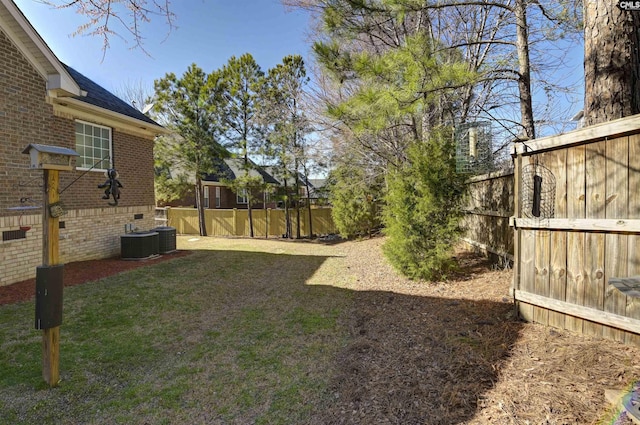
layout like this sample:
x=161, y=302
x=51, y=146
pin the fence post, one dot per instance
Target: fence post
x=235, y=222
x=517, y=189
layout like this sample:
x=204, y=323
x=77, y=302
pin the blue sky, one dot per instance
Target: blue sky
x=208, y=33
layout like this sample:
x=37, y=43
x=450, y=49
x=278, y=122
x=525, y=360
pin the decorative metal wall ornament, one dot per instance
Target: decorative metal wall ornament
x=111, y=186
x=538, y=192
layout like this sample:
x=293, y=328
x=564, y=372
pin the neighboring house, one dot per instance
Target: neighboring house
x=317, y=190
x=217, y=193
x=46, y=102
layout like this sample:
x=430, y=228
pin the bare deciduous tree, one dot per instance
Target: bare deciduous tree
x=107, y=18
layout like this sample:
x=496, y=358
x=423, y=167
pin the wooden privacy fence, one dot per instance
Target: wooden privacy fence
x=577, y=227
x=488, y=210
x=235, y=222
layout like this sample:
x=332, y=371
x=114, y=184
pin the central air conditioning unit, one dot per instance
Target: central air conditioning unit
x=167, y=239
x=139, y=245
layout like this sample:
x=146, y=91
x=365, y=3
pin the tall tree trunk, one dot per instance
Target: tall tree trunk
x=611, y=62
x=287, y=218
x=250, y=210
x=248, y=190
x=524, y=80
x=309, y=207
x=297, y=187
x=200, y=206
x=266, y=215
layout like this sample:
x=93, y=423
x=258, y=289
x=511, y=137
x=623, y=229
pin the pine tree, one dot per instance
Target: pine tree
x=423, y=208
x=242, y=81
x=287, y=128
x=191, y=107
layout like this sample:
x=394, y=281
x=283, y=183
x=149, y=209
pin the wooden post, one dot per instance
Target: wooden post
x=517, y=213
x=50, y=257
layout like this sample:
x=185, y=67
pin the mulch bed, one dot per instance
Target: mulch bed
x=80, y=272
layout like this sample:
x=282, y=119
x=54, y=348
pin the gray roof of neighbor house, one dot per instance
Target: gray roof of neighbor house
x=231, y=168
x=99, y=96
x=318, y=183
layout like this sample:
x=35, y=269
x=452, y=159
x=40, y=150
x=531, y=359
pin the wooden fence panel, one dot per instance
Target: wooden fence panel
x=221, y=222
x=488, y=209
x=594, y=233
x=185, y=220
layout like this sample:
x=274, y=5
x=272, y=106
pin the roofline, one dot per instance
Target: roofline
x=82, y=110
x=58, y=79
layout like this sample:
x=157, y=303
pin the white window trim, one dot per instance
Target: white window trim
x=242, y=198
x=100, y=168
x=217, y=196
x=206, y=196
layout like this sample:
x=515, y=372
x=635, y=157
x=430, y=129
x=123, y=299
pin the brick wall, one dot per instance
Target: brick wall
x=87, y=234
x=25, y=117
x=92, y=228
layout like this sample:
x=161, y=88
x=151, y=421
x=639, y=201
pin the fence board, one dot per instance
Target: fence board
x=541, y=261
x=575, y=240
x=556, y=162
x=526, y=262
x=594, y=242
x=617, y=206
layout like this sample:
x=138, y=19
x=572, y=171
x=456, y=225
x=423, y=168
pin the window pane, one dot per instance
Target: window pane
x=93, y=143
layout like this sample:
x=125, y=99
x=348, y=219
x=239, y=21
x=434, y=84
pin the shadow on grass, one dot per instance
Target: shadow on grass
x=247, y=337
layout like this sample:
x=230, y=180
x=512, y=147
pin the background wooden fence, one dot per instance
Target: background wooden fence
x=235, y=222
x=564, y=261
x=489, y=207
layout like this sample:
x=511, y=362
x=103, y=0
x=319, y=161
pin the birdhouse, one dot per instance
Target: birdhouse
x=44, y=157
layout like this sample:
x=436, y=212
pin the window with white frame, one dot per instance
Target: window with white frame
x=206, y=196
x=242, y=197
x=217, y=196
x=93, y=144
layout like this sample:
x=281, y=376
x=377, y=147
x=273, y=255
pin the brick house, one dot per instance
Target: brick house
x=46, y=102
x=218, y=195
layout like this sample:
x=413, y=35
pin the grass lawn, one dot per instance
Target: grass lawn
x=238, y=332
